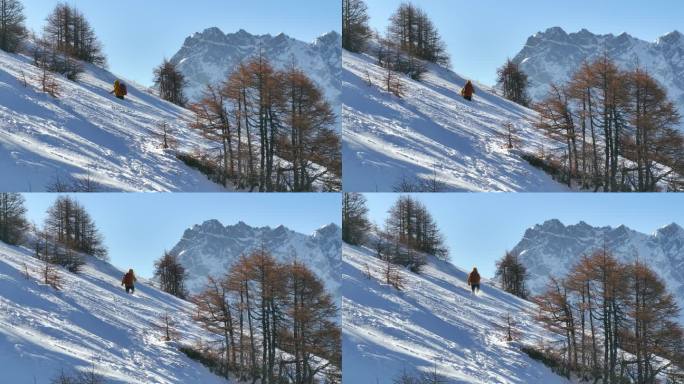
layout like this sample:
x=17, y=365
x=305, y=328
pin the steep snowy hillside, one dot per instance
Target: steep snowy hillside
x=86, y=132
x=207, y=57
x=552, y=56
x=552, y=248
x=432, y=132
x=91, y=321
x=435, y=322
x=210, y=248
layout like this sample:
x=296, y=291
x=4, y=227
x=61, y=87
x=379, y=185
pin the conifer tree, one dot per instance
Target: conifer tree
x=618, y=321
x=276, y=321
x=355, y=29
x=412, y=30
x=170, y=82
x=355, y=223
x=171, y=275
x=619, y=129
x=70, y=33
x=70, y=225
x=512, y=274
x=414, y=233
x=13, y=223
x=274, y=128
x=513, y=81
x=12, y=29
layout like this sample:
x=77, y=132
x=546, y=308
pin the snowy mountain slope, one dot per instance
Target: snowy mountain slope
x=210, y=248
x=432, y=130
x=207, y=57
x=435, y=321
x=91, y=321
x=87, y=132
x=552, y=248
x=552, y=56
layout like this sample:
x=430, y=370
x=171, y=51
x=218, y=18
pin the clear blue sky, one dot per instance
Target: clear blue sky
x=138, y=34
x=138, y=227
x=480, y=227
x=481, y=34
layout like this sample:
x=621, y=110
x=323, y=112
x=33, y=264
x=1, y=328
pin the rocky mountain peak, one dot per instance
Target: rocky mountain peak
x=209, y=56
x=553, y=55
x=555, y=33
x=671, y=230
x=553, y=225
x=212, y=225
x=213, y=32
x=551, y=249
x=674, y=37
x=208, y=249
x=332, y=38
x=242, y=33
x=328, y=230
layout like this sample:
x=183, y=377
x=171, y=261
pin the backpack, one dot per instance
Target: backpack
x=124, y=91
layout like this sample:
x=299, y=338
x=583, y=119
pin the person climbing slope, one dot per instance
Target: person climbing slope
x=119, y=90
x=468, y=91
x=474, y=280
x=129, y=281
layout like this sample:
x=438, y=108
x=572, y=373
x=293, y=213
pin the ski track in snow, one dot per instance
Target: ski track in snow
x=86, y=131
x=435, y=321
x=433, y=130
x=92, y=320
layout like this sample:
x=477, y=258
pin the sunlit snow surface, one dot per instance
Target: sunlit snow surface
x=434, y=322
x=91, y=321
x=432, y=130
x=88, y=132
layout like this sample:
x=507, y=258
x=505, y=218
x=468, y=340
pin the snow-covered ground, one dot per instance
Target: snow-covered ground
x=91, y=321
x=434, y=322
x=433, y=130
x=88, y=132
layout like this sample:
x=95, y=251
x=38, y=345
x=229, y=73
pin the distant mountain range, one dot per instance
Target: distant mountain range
x=551, y=248
x=210, y=248
x=207, y=57
x=553, y=55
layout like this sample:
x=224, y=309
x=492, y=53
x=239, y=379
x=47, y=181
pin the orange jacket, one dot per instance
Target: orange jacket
x=474, y=277
x=468, y=90
x=129, y=279
x=118, y=89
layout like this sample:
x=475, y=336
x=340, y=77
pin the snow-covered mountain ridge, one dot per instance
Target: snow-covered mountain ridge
x=91, y=321
x=552, y=56
x=88, y=133
x=433, y=133
x=211, y=248
x=435, y=322
x=207, y=57
x=551, y=248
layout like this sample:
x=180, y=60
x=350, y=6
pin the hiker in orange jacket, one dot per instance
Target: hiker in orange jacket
x=468, y=91
x=119, y=90
x=129, y=281
x=474, y=280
